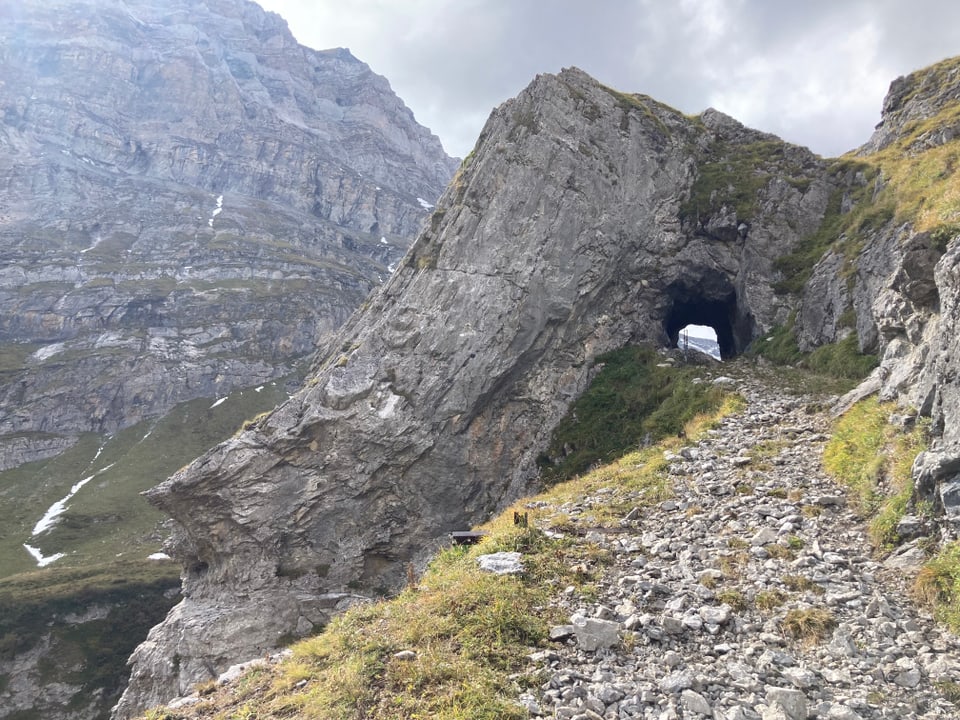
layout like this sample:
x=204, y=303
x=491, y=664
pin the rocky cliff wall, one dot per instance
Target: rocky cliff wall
x=891, y=277
x=584, y=219
x=190, y=200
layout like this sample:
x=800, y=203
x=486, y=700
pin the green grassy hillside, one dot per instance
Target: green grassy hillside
x=107, y=518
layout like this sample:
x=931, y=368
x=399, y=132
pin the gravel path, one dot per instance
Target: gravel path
x=696, y=615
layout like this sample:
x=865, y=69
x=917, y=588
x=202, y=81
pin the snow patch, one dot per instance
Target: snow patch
x=96, y=241
x=42, y=560
x=54, y=512
x=216, y=211
x=424, y=204
x=158, y=556
x=383, y=241
x=48, y=351
x=258, y=389
x=392, y=267
x=221, y=401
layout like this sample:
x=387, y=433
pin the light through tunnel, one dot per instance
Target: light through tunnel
x=702, y=338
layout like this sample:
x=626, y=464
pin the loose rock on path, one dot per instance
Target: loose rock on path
x=701, y=612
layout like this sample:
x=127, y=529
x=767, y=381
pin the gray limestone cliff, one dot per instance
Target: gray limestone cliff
x=583, y=220
x=891, y=279
x=190, y=200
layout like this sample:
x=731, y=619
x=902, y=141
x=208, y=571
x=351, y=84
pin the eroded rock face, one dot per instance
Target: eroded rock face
x=902, y=287
x=567, y=234
x=190, y=200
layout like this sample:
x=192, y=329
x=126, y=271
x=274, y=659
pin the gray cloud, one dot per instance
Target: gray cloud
x=813, y=72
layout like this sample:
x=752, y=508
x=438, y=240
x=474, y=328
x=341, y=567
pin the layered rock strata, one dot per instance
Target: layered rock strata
x=190, y=200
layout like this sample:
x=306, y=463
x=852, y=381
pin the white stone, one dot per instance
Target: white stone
x=501, y=563
x=792, y=702
x=593, y=634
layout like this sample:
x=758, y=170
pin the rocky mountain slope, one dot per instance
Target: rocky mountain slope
x=564, y=235
x=722, y=576
x=584, y=219
x=191, y=199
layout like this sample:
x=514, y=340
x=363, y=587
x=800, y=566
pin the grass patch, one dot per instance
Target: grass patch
x=779, y=552
x=467, y=634
x=842, y=359
x=639, y=478
x=937, y=585
x=800, y=583
x=732, y=564
x=808, y=625
x=734, y=598
x=769, y=600
x=13, y=356
x=873, y=459
x=949, y=690
x=631, y=402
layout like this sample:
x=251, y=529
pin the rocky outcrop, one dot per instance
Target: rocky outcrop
x=899, y=291
x=190, y=200
x=937, y=472
x=583, y=220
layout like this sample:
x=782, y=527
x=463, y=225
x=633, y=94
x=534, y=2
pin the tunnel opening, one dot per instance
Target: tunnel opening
x=702, y=338
x=712, y=303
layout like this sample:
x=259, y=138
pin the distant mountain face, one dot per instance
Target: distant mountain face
x=189, y=202
x=190, y=199
x=704, y=345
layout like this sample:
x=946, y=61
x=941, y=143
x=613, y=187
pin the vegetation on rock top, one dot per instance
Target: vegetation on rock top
x=732, y=175
x=911, y=180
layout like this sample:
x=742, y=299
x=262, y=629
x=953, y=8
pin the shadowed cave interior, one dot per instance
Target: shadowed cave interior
x=711, y=302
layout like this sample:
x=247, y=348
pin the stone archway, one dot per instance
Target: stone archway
x=709, y=300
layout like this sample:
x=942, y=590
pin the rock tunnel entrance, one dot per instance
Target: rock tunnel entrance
x=711, y=302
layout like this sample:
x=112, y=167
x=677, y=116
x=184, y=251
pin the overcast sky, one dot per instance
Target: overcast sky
x=812, y=71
